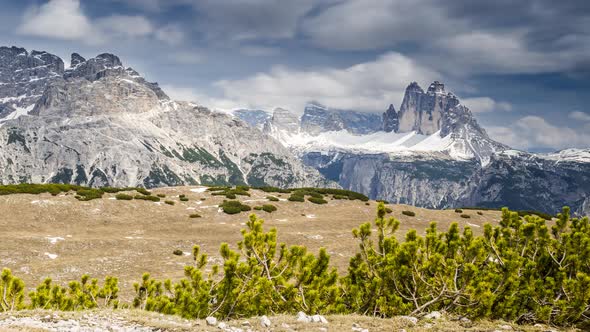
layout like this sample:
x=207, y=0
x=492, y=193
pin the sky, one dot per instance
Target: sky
x=523, y=67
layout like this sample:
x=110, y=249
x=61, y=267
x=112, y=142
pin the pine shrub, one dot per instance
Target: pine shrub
x=269, y=208
x=195, y=215
x=466, y=216
x=234, y=207
x=317, y=200
x=169, y=202
x=177, y=252
x=458, y=211
x=272, y=198
x=123, y=197
x=147, y=198
x=409, y=213
x=161, y=195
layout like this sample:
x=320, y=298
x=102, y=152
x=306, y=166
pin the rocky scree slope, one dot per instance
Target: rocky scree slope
x=99, y=123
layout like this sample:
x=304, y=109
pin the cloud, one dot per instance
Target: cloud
x=375, y=24
x=125, y=26
x=60, y=19
x=170, y=34
x=579, y=116
x=250, y=19
x=259, y=51
x=186, y=58
x=65, y=20
x=532, y=132
x=485, y=104
x=192, y=95
x=369, y=86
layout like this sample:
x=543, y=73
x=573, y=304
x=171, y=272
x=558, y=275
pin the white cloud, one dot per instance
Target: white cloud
x=191, y=95
x=170, y=34
x=60, y=19
x=534, y=132
x=369, y=86
x=481, y=52
x=125, y=26
x=579, y=116
x=187, y=58
x=485, y=104
x=371, y=24
x=65, y=19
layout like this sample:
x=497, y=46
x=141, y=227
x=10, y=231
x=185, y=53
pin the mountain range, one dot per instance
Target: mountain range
x=99, y=123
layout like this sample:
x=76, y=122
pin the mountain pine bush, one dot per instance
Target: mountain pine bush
x=521, y=270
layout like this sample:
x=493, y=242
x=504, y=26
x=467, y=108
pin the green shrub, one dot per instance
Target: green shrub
x=258, y=208
x=367, y=203
x=409, y=213
x=388, y=210
x=195, y=215
x=203, y=198
x=317, y=200
x=184, y=199
x=143, y=191
x=177, y=252
x=272, y=198
x=269, y=208
x=234, y=207
x=161, y=195
x=382, y=201
x=480, y=213
x=169, y=202
x=296, y=198
x=123, y=197
x=147, y=198
x=466, y=216
x=458, y=211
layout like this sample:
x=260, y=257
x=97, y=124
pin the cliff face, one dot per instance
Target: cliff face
x=99, y=123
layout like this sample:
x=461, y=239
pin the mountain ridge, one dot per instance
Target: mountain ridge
x=102, y=124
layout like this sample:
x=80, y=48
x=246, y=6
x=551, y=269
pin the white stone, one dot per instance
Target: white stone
x=265, y=322
x=302, y=317
x=211, y=321
x=434, y=315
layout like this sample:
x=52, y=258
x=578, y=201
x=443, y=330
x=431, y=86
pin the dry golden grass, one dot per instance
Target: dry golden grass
x=127, y=238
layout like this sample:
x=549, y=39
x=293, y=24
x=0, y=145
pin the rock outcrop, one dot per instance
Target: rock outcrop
x=99, y=124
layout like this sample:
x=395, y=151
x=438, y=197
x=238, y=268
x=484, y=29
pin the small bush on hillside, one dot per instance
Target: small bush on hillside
x=466, y=216
x=258, y=208
x=409, y=213
x=203, y=198
x=458, y=211
x=382, y=201
x=169, y=202
x=272, y=198
x=367, y=203
x=195, y=215
x=143, y=191
x=123, y=197
x=480, y=213
x=234, y=207
x=177, y=252
x=184, y=199
x=269, y=208
x=317, y=200
x=388, y=210
x=147, y=198
x=161, y=195
x=296, y=198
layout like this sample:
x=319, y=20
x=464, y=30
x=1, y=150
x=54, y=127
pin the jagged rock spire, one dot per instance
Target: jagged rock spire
x=76, y=59
x=390, y=120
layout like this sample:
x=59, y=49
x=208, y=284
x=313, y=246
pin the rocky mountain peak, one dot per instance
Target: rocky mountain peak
x=436, y=87
x=390, y=120
x=76, y=59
